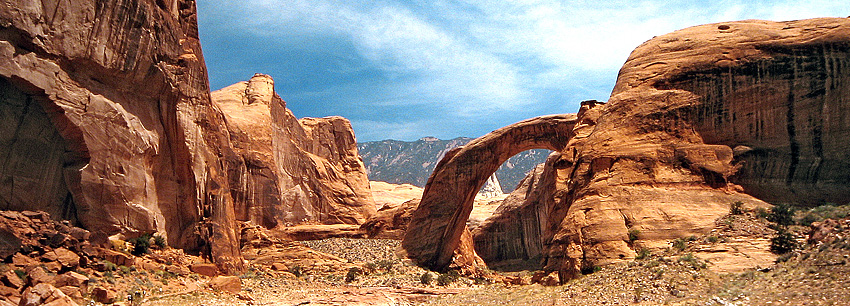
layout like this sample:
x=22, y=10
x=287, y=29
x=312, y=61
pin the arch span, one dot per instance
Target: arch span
x=435, y=230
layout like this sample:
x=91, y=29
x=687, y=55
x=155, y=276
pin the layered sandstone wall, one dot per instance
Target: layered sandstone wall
x=699, y=119
x=295, y=171
x=123, y=84
x=695, y=113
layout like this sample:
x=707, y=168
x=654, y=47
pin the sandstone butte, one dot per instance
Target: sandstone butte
x=751, y=111
x=106, y=120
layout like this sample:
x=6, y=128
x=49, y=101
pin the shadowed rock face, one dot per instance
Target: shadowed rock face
x=514, y=236
x=437, y=225
x=123, y=84
x=295, y=171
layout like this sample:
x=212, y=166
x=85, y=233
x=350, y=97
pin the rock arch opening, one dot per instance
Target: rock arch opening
x=437, y=235
x=514, y=236
x=37, y=165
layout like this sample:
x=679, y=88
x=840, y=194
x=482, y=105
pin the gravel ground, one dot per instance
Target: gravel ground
x=357, y=250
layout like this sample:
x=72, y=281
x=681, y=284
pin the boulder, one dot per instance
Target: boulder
x=45, y=295
x=210, y=270
x=231, y=284
x=103, y=295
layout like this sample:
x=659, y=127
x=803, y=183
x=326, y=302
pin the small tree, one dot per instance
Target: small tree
x=782, y=215
x=783, y=242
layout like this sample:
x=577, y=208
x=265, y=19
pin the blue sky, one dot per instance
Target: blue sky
x=449, y=68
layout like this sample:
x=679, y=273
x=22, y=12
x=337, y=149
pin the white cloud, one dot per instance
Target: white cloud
x=468, y=57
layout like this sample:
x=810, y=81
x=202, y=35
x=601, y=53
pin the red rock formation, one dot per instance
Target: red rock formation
x=107, y=118
x=694, y=113
x=295, y=171
x=433, y=237
x=513, y=238
x=689, y=110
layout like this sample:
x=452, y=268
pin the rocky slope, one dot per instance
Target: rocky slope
x=295, y=171
x=699, y=119
x=401, y=162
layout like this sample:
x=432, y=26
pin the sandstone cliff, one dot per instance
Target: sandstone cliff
x=294, y=171
x=107, y=121
x=696, y=113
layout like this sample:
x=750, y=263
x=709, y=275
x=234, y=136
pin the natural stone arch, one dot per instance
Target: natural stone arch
x=434, y=232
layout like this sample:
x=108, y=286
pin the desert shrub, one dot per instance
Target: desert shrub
x=386, y=265
x=371, y=267
x=447, y=278
x=159, y=241
x=109, y=266
x=426, y=278
x=783, y=242
x=296, y=270
x=820, y=213
x=737, y=208
x=141, y=244
x=712, y=239
x=352, y=274
x=680, y=244
x=633, y=234
x=643, y=253
x=762, y=213
x=782, y=215
x=589, y=269
x=692, y=261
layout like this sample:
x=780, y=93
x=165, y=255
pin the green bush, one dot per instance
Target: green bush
x=737, y=208
x=633, y=234
x=426, y=278
x=159, y=241
x=297, y=270
x=643, y=253
x=352, y=274
x=762, y=213
x=141, y=244
x=783, y=242
x=782, y=215
x=680, y=244
x=447, y=278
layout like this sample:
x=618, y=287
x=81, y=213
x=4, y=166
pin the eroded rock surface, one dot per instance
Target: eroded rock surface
x=699, y=119
x=514, y=236
x=695, y=113
x=107, y=119
x=434, y=235
x=294, y=171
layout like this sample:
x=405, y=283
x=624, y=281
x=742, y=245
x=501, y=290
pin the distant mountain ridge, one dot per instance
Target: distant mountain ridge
x=411, y=162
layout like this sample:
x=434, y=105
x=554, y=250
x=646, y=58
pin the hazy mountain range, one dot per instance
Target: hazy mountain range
x=411, y=162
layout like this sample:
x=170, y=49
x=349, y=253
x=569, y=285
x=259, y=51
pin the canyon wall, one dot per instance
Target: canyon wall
x=701, y=118
x=295, y=171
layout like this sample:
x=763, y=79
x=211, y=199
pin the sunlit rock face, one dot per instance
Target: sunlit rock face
x=699, y=118
x=294, y=171
x=107, y=121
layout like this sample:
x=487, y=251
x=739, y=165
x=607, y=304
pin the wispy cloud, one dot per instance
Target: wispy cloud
x=455, y=60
